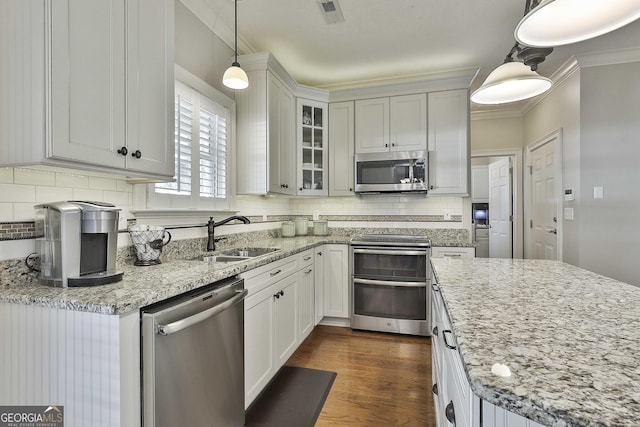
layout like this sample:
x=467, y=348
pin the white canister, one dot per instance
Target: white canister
x=301, y=226
x=288, y=229
x=320, y=228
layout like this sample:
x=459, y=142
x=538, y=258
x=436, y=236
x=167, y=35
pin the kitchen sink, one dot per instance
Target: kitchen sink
x=237, y=254
x=248, y=252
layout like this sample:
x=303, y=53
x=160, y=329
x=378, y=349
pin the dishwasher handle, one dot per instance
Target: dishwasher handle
x=181, y=324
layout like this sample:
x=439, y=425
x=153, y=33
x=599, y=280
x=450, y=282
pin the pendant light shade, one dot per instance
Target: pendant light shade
x=560, y=22
x=512, y=81
x=235, y=77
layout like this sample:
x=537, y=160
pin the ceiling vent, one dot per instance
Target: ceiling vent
x=331, y=11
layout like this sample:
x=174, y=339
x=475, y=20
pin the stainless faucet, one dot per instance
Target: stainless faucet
x=211, y=226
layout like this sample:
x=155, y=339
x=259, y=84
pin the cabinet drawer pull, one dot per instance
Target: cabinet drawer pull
x=450, y=413
x=453, y=255
x=435, y=332
x=444, y=338
x=275, y=273
x=308, y=271
x=435, y=389
x=307, y=258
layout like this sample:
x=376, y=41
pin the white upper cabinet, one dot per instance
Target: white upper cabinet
x=397, y=123
x=372, y=125
x=312, y=137
x=341, y=148
x=266, y=128
x=108, y=86
x=480, y=184
x=449, y=161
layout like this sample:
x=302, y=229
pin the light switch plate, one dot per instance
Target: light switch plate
x=598, y=192
x=568, y=214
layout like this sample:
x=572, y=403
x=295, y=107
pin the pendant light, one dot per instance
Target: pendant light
x=235, y=77
x=560, y=22
x=514, y=80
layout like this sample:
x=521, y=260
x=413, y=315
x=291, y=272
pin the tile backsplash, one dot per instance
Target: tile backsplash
x=22, y=188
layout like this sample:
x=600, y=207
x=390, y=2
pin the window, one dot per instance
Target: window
x=202, y=146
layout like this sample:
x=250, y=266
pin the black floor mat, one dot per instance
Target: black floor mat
x=294, y=398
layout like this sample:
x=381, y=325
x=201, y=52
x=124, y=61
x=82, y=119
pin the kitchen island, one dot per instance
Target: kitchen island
x=570, y=337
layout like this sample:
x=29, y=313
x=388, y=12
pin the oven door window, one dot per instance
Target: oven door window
x=393, y=302
x=391, y=265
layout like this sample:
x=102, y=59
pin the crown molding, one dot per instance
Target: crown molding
x=500, y=113
x=610, y=57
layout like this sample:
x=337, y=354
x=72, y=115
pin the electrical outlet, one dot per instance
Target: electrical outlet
x=447, y=216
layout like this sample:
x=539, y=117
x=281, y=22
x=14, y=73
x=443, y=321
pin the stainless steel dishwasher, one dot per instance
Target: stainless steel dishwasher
x=193, y=358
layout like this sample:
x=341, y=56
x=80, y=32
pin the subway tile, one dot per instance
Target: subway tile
x=6, y=211
x=17, y=193
x=100, y=183
x=123, y=185
x=33, y=176
x=6, y=175
x=88, y=195
x=117, y=198
x=52, y=194
x=23, y=212
x=71, y=180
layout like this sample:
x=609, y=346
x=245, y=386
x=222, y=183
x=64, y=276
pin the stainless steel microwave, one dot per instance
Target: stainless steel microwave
x=391, y=172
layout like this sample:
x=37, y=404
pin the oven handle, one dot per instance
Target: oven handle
x=388, y=283
x=388, y=252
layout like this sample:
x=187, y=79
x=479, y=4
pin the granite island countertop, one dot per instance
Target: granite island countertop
x=570, y=337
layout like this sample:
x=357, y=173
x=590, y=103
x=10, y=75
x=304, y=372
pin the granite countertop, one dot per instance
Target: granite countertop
x=142, y=286
x=570, y=337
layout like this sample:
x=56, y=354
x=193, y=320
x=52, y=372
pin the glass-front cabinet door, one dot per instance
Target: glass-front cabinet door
x=312, y=148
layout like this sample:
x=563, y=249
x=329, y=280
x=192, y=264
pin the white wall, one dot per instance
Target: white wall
x=610, y=157
x=560, y=109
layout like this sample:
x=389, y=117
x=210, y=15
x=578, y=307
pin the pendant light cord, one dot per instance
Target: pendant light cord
x=235, y=30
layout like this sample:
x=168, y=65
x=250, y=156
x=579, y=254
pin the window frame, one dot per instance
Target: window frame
x=187, y=83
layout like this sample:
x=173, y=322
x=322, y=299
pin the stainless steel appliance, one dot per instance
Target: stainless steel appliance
x=389, y=286
x=78, y=243
x=480, y=220
x=391, y=172
x=193, y=358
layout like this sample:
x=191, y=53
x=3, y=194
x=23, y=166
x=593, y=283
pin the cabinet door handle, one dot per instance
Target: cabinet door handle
x=350, y=189
x=300, y=188
x=276, y=295
x=137, y=154
x=431, y=187
x=444, y=338
x=450, y=413
x=308, y=271
x=435, y=389
x=386, y=145
x=275, y=273
x=281, y=293
x=307, y=258
x=319, y=253
x=435, y=332
x=123, y=151
x=435, y=287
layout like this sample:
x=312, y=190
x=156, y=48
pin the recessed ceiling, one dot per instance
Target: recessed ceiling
x=382, y=40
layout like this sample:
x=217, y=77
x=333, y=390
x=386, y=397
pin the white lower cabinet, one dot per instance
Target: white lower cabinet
x=452, y=252
x=454, y=401
x=336, y=280
x=319, y=284
x=278, y=316
x=306, y=294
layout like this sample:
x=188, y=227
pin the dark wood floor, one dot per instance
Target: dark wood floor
x=383, y=379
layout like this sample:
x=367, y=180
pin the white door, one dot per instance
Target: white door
x=500, y=214
x=544, y=203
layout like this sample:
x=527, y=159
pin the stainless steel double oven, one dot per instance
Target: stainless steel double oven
x=389, y=286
